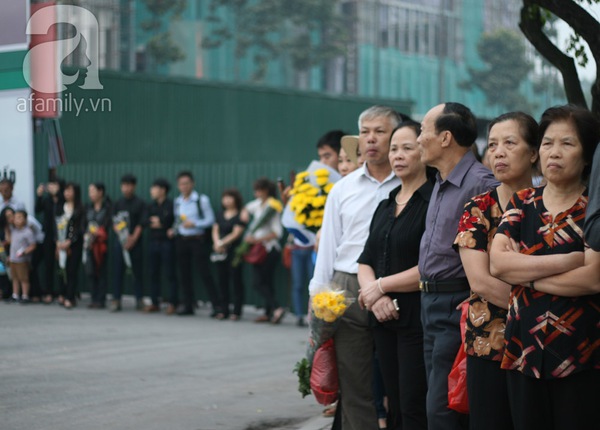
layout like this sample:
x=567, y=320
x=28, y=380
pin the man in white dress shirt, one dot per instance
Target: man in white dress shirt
x=348, y=212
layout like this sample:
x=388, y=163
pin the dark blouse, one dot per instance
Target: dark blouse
x=393, y=247
x=166, y=214
x=548, y=336
x=486, y=323
x=76, y=225
x=101, y=217
x=226, y=227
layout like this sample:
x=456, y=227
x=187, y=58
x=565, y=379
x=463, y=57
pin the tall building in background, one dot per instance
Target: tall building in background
x=397, y=49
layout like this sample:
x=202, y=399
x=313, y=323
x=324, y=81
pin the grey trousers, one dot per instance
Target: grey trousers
x=354, y=350
x=441, y=329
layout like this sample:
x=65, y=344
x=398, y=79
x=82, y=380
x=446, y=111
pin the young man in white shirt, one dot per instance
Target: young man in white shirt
x=193, y=218
x=348, y=212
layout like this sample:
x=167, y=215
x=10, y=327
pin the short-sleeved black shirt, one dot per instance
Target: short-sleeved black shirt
x=393, y=246
x=135, y=207
x=226, y=226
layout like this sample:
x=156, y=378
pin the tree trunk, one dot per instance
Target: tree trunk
x=584, y=24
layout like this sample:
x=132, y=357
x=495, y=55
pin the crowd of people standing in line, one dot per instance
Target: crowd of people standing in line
x=184, y=235
x=424, y=228
x=417, y=227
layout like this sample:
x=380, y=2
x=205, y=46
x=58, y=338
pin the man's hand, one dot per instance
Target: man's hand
x=129, y=243
x=155, y=222
x=189, y=224
x=40, y=190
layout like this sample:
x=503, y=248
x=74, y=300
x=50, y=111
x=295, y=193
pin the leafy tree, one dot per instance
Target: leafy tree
x=307, y=32
x=503, y=53
x=534, y=16
x=161, y=47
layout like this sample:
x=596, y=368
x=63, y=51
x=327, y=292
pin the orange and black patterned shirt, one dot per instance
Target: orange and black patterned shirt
x=486, y=322
x=548, y=336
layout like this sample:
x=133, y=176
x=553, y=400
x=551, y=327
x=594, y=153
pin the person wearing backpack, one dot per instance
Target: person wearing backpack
x=194, y=217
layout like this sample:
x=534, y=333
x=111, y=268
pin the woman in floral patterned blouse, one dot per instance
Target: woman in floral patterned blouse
x=552, y=348
x=511, y=152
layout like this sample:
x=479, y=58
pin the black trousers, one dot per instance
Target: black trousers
x=195, y=253
x=34, y=278
x=400, y=352
x=49, y=259
x=69, y=280
x=230, y=276
x=119, y=268
x=98, y=279
x=554, y=404
x=162, y=257
x=488, y=395
x=263, y=278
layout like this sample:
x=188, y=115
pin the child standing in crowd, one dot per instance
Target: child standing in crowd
x=23, y=244
x=98, y=214
x=348, y=159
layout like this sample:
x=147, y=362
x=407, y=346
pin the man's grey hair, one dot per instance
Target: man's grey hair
x=379, y=111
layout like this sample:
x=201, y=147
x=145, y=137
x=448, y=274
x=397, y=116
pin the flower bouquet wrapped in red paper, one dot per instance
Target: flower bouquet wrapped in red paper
x=318, y=371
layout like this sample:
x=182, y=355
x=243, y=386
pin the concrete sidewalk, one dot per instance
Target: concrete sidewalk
x=90, y=369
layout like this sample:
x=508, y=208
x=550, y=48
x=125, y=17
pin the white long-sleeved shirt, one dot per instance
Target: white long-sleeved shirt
x=348, y=212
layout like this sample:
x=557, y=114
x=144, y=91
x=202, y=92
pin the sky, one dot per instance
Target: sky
x=589, y=72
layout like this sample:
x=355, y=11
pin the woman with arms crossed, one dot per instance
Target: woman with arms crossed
x=511, y=152
x=552, y=348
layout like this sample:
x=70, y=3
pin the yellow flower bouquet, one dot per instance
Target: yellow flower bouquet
x=327, y=306
x=303, y=215
x=274, y=207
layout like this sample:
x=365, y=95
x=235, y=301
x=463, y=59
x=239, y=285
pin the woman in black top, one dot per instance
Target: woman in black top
x=74, y=212
x=389, y=282
x=48, y=201
x=98, y=213
x=227, y=234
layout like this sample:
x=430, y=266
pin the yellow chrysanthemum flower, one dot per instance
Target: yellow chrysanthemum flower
x=275, y=204
x=321, y=173
x=322, y=180
x=319, y=201
x=300, y=218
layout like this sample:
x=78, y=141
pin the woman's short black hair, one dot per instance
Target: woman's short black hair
x=528, y=126
x=236, y=195
x=265, y=184
x=586, y=124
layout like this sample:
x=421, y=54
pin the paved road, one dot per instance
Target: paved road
x=88, y=370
